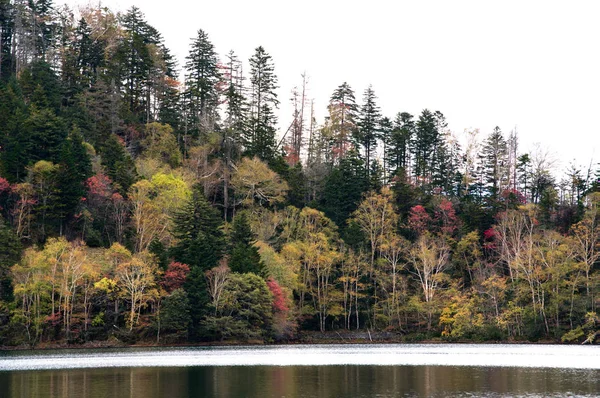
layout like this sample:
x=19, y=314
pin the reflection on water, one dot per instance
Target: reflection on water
x=301, y=381
x=396, y=370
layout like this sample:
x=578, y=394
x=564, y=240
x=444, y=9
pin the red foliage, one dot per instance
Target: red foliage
x=117, y=197
x=489, y=239
x=489, y=234
x=175, y=276
x=445, y=216
x=418, y=219
x=512, y=197
x=279, y=304
x=99, y=186
x=4, y=185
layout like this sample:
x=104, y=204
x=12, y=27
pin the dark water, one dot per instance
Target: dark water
x=416, y=371
x=301, y=381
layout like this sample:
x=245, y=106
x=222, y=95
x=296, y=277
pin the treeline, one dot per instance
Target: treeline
x=136, y=207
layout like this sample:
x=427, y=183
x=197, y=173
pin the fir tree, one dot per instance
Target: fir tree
x=368, y=126
x=9, y=256
x=494, y=158
x=201, y=79
x=244, y=256
x=197, y=228
x=423, y=145
x=398, y=143
x=118, y=164
x=260, y=135
x=343, y=116
x=75, y=169
x=344, y=188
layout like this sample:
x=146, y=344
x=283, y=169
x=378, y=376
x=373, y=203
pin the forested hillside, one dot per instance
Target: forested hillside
x=142, y=200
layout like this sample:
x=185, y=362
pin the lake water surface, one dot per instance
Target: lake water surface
x=394, y=370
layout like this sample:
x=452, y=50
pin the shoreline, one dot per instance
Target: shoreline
x=306, y=339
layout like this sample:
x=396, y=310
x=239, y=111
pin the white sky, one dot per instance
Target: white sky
x=530, y=64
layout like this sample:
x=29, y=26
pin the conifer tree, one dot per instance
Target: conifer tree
x=197, y=228
x=343, y=116
x=6, y=39
x=368, y=126
x=75, y=169
x=201, y=78
x=260, y=134
x=494, y=158
x=134, y=62
x=398, y=143
x=14, y=156
x=423, y=145
x=9, y=256
x=118, y=164
x=344, y=188
x=244, y=256
x=200, y=245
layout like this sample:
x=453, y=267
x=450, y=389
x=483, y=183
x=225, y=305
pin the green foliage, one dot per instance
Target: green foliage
x=9, y=256
x=197, y=228
x=344, y=189
x=202, y=76
x=247, y=311
x=118, y=164
x=259, y=138
x=244, y=256
x=83, y=103
x=175, y=313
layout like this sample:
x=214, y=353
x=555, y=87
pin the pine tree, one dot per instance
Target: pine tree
x=423, y=145
x=344, y=188
x=118, y=164
x=75, y=169
x=398, y=143
x=14, y=156
x=368, y=126
x=244, y=256
x=343, y=116
x=6, y=39
x=9, y=256
x=134, y=62
x=88, y=57
x=260, y=134
x=202, y=78
x=494, y=158
x=386, y=129
x=197, y=228
x=167, y=92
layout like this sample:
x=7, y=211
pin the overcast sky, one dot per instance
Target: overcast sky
x=533, y=65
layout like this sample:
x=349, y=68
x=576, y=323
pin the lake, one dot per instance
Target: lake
x=394, y=370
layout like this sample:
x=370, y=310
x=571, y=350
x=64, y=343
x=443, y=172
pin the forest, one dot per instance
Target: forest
x=146, y=202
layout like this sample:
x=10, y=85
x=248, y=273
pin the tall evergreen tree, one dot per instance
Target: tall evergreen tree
x=9, y=256
x=260, y=134
x=201, y=78
x=14, y=155
x=398, y=142
x=135, y=62
x=6, y=38
x=344, y=188
x=343, y=116
x=368, y=126
x=200, y=244
x=118, y=164
x=197, y=228
x=244, y=256
x=494, y=158
x=75, y=169
x=423, y=145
